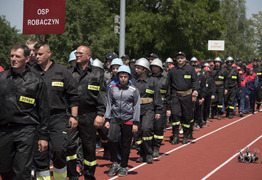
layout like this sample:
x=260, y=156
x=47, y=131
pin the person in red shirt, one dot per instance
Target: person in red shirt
x=251, y=85
x=1, y=69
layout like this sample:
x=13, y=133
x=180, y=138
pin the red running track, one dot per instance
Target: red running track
x=212, y=155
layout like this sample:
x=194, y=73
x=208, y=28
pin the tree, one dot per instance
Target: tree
x=256, y=25
x=237, y=35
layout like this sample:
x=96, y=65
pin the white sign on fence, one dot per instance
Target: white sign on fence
x=216, y=45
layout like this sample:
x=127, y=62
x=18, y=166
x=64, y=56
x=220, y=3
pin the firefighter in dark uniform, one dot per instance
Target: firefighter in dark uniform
x=209, y=93
x=183, y=87
x=232, y=79
x=62, y=95
x=151, y=108
x=218, y=74
x=258, y=70
x=92, y=90
x=24, y=112
x=159, y=125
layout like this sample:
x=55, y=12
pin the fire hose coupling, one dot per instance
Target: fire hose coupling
x=248, y=157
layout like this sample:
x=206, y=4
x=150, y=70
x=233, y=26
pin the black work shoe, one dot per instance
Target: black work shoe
x=140, y=159
x=241, y=114
x=155, y=152
x=185, y=139
x=219, y=117
x=190, y=136
x=113, y=169
x=149, y=159
x=230, y=116
x=175, y=140
x=171, y=137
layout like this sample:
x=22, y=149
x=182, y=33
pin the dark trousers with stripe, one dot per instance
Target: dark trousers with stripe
x=87, y=133
x=182, y=112
x=59, y=130
x=16, y=149
x=230, y=100
x=117, y=127
x=158, y=130
x=217, y=105
x=145, y=134
x=206, y=107
x=259, y=94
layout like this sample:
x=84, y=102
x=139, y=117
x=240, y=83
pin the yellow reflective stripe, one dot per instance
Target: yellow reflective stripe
x=147, y=138
x=44, y=178
x=43, y=175
x=258, y=102
x=234, y=77
x=187, y=76
x=60, y=173
x=221, y=77
x=158, y=137
x=139, y=142
x=176, y=123
x=27, y=100
x=58, y=84
x=231, y=107
x=220, y=106
x=259, y=73
x=64, y=132
x=69, y=158
x=97, y=133
x=88, y=163
x=93, y=87
x=149, y=91
x=192, y=120
x=162, y=91
x=186, y=125
x=103, y=141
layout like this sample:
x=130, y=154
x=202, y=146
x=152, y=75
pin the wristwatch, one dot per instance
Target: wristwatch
x=76, y=117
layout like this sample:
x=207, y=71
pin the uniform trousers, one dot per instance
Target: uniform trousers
x=16, y=149
x=87, y=133
x=182, y=112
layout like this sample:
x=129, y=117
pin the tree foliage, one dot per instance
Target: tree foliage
x=238, y=34
x=160, y=26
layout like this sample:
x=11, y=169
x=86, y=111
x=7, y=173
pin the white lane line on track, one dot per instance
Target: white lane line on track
x=223, y=164
x=187, y=144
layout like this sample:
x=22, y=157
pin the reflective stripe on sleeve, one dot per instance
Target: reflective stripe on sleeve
x=88, y=163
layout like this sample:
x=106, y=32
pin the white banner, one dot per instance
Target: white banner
x=216, y=45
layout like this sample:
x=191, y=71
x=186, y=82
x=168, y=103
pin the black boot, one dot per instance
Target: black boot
x=155, y=152
x=89, y=173
x=175, y=139
x=185, y=137
x=258, y=107
x=230, y=115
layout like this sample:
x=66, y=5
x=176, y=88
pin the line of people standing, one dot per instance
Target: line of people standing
x=49, y=108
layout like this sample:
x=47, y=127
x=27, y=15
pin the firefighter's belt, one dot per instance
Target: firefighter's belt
x=182, y=93
x=219, y=82
x=146, y=100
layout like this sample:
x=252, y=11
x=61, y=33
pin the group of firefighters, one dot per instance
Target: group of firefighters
x=51, y=112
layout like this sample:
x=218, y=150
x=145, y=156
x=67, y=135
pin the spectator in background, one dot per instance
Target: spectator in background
x=1, y=69
x=31, y=42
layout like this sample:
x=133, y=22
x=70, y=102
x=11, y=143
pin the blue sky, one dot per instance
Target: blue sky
x=13, y=10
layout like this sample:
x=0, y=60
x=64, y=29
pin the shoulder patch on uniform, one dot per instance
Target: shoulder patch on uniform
x=113, y=86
